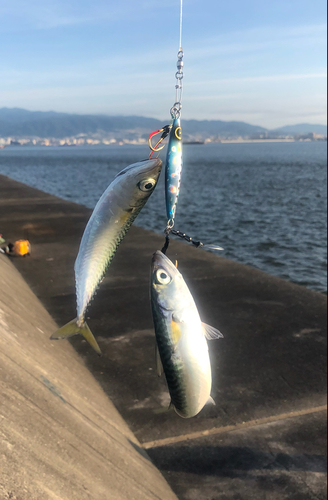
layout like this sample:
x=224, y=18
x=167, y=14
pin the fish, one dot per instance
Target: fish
x=181, y=339
x=173, y=169
x=111, y=219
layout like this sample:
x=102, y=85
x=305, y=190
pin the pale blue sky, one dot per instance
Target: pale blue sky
x=256, y=61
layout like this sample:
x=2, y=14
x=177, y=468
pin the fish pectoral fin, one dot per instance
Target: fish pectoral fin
x=72, y=329
x=159, y=365
x=177, y=317
x=211, y=333
x=176, y=332
x=211, y=401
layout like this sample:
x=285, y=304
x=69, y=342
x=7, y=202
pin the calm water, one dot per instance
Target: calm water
x=266, y=204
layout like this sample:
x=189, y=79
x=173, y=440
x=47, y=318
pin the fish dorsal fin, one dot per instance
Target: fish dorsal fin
x=159, y=365
x=211, y=333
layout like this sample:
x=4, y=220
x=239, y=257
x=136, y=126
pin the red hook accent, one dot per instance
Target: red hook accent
x=155, y=149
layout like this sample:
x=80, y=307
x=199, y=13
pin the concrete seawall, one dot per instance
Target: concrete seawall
x=265, y=439
x=60, y=436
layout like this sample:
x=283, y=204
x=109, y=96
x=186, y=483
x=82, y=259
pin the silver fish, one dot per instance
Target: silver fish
x=111, y=219
x=182, y=350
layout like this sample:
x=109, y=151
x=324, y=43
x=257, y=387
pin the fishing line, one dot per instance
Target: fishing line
x=181, y=14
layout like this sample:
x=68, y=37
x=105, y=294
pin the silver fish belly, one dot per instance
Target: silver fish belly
x=111, y=219
x=181, y=339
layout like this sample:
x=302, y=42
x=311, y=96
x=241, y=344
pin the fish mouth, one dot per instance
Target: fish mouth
x=153, y=166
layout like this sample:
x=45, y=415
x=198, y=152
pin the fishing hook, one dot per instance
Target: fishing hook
x=166, y=130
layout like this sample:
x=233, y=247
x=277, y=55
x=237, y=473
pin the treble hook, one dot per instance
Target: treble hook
x=155, y=149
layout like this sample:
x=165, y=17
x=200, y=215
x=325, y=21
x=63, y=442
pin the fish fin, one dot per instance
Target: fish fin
x=176, y=331
x=211, y=333
x=211, y=401
x=162, y=411
x=177, y=318
x=72, y=329
x=159, y=365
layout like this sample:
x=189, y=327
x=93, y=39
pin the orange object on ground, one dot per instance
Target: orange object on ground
x=22, y=247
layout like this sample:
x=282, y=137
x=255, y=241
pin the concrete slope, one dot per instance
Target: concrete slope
x=60, y=436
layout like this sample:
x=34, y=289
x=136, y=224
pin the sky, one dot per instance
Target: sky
x=261, y=62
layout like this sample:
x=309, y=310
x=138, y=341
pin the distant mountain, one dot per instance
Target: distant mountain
x=16, y=115
x=19, y=123
x=302, y=129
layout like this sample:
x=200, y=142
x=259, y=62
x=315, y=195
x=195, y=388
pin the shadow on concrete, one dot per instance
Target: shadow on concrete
x=140, y=450
x=229, y=461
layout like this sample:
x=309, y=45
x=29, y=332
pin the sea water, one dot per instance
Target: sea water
x=264, y=203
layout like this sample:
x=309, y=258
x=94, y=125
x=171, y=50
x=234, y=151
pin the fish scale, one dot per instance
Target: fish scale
x=172, y=370
x=101, y=259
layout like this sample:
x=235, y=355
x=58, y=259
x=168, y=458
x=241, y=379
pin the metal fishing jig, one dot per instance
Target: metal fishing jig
x=173, y=169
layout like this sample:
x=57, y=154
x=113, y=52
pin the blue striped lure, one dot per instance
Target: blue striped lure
x=173, y=170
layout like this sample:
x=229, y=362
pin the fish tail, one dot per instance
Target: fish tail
x=72, y=328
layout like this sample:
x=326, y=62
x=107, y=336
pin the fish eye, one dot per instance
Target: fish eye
x=146, y=185
x=162, y=277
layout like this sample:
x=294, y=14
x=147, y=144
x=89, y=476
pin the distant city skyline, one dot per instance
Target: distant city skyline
x=260, y=63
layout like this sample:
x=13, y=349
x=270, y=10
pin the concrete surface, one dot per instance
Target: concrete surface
x=284, y=459
x=269, y=371
x=60, y=436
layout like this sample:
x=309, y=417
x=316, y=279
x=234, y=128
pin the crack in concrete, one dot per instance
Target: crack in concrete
x=232, y=428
